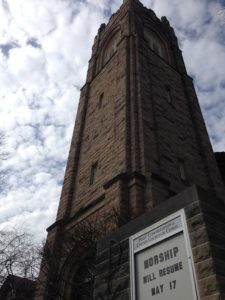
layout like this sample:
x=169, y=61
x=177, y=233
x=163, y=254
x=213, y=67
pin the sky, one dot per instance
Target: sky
x=45, y=46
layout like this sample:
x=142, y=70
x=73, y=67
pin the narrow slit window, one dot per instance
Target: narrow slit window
x=93, y=175
x=100, y=100
x=182, y=169
x=169, y=95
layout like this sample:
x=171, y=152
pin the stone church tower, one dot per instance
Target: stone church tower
x=139, y=137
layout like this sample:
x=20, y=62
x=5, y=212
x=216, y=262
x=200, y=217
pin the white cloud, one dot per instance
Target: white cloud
x=22, y=60
x=37, y=17
x=45, y=50
x=207, y=74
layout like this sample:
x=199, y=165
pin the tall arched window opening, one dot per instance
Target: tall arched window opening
x=111, y=47
x=155, y=43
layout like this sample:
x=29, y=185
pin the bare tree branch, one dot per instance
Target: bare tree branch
x=80, y=244
x=19, y=255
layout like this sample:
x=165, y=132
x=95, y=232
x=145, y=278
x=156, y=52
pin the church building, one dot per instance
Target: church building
x=142, y=213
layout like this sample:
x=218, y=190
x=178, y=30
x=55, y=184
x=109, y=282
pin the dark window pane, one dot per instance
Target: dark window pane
x=93, y=173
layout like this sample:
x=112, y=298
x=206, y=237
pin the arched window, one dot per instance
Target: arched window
x=155, y=43
x=110, y=47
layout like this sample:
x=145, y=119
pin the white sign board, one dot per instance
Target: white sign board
x=161, y=262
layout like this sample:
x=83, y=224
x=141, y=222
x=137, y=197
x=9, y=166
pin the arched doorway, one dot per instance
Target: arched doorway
x=82, y=285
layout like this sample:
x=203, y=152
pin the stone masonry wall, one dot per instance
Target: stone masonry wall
x=100, y=131
x=104, y=137
x=205, y=219
x=134, y=130
x=173, y=132
x=126, y=125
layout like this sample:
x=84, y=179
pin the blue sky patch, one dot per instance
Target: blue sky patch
x=34, y=43
x=7, y=47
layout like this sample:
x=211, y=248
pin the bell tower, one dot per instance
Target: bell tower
x=139, y=136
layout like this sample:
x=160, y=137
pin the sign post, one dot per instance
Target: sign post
x=161, y=262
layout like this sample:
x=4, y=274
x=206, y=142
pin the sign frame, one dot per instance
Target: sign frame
x=149, y=239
